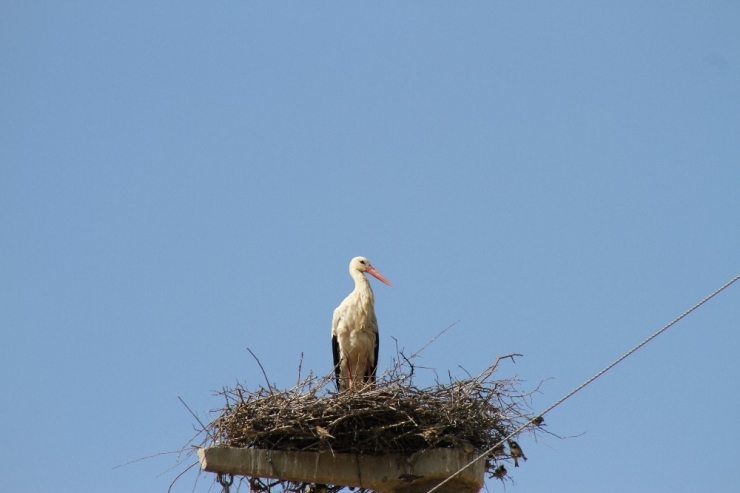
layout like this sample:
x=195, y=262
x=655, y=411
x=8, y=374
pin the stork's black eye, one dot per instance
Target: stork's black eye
x=362, y=262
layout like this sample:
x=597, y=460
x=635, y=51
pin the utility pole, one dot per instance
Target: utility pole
x=390, y=473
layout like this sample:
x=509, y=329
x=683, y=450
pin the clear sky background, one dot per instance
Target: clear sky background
x=182, y=180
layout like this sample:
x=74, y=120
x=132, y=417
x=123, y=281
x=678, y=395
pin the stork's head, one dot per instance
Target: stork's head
x=361, y=264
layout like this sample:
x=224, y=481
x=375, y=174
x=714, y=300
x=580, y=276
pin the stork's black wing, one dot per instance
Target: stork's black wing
x=335, y=350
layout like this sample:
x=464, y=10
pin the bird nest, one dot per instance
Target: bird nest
x=393, y=416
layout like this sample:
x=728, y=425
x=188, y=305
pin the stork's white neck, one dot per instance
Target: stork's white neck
x=362, y=286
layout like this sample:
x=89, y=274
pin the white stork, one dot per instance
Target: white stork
x=354, y=329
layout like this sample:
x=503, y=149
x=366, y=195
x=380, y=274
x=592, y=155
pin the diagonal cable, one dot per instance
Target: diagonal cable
x=606, y=369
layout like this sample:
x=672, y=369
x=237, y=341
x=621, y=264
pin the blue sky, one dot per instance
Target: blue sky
x=182, y=180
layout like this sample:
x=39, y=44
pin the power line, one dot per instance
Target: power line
x=584, y=384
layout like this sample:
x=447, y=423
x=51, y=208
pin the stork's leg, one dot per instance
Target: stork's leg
x=350, y=383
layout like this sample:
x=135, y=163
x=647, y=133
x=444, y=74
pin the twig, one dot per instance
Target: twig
x=466, y=371
x=269, y=387
x=300, y=365
x=203, y=427
x=411, y=365
x=180, y=475
x=147, y=457
x=489, y=371
x=433, y=339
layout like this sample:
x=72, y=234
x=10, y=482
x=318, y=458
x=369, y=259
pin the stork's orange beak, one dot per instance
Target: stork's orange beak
x=377, y=275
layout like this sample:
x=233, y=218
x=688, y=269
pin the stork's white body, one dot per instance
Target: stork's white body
x=354, y=330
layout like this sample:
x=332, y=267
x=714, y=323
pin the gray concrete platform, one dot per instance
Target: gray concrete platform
x=383, y=474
